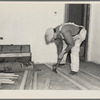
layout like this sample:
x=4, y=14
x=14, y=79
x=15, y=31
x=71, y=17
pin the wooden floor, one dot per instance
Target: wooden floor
x=43, y=78
x=88, y=77
x=20, y=72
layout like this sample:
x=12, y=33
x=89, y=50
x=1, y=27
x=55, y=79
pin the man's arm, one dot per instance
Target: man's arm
x=59, y=46
x=68, y=40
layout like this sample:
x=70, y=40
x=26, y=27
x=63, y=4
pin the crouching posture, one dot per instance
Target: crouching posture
x=67, y=37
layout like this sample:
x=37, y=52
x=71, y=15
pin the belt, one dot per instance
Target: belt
x=80, y=28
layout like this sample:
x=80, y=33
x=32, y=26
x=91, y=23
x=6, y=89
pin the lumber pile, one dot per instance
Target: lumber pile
x=25, y=80
x=7, y=78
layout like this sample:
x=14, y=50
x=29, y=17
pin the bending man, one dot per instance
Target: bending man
x=67, y=37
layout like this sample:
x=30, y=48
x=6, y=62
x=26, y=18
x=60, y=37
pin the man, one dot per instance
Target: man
x=67, y=37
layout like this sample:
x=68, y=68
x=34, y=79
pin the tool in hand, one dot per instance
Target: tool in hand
x=56, y=65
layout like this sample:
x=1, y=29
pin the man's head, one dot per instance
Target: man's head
x=50, y=35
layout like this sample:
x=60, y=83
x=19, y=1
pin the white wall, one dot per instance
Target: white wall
x=26, y=23
x=94, y=34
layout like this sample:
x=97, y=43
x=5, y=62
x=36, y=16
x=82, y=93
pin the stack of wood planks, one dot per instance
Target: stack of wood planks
x=7, y=78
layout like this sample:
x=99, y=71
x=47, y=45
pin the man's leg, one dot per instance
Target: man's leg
x=75, y=51
x=75, y=58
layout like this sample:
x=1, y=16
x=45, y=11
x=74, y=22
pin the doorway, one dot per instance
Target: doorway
x=79, y=14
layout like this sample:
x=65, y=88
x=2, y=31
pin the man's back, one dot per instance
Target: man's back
x=72, y=28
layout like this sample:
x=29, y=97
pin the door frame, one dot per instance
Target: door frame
x=86, y=20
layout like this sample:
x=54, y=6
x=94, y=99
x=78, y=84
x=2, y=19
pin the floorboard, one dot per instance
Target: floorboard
x=88, y=78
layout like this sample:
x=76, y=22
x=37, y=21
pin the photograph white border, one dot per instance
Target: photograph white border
x=51, y=94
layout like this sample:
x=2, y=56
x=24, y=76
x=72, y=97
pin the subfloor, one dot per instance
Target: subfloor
x=88, y=77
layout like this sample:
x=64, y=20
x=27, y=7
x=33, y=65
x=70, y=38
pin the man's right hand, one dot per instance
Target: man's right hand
x=57, y=64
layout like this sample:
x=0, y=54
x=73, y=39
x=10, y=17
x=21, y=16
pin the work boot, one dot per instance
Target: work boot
x=73, y=73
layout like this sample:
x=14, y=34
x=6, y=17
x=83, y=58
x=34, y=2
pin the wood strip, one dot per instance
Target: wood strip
x=7, y=77
x=8, y=74
x=67, y=78
x=28, y=81
x=98, y=78
x=23, y=80
x=35, y=81
x=5, y=82
x=83, y=82
x=30, y=85
x=94, y=83
x=46, y=86
x=15, y=54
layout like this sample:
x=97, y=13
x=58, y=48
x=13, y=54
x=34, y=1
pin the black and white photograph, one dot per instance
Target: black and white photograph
x=52, y=46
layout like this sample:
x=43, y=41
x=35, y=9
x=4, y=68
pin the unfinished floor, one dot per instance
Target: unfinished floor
x=88, y=78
